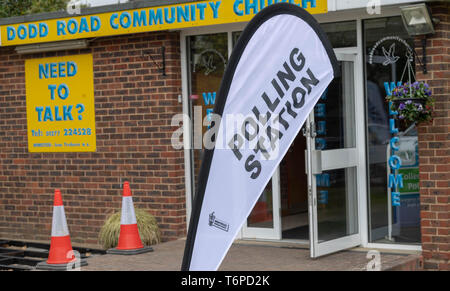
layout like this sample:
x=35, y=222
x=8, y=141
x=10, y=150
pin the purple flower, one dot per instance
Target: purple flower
x=401, y=106
x=401, y=116
x=408, y=102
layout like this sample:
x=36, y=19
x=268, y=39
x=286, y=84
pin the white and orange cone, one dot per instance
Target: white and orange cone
x=61, y=253
x=129, y=240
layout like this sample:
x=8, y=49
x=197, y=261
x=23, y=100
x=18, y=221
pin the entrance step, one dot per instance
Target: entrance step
x=410, y=263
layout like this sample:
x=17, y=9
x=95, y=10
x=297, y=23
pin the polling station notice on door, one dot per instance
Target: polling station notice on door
x=60, y=104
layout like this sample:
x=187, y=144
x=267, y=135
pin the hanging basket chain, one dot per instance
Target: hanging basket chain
x=410, y=71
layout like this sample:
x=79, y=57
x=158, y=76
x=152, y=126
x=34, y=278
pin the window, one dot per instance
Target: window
x=388, y=48
x=341, y=34
x=208, y=57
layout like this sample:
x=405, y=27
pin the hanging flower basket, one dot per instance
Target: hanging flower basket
x=413, y=102
x=398, y=101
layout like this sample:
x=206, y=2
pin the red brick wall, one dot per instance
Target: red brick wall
x=134, y=105
x=434, y=146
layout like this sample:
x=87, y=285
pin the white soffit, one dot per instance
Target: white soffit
x=339, y=5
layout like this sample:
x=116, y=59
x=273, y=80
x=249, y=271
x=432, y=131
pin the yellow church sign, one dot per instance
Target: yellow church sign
x=177, y=16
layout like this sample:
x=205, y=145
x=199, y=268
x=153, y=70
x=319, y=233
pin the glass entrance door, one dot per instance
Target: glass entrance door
x=332, y=161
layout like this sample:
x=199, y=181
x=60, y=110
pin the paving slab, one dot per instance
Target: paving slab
x=247, y=256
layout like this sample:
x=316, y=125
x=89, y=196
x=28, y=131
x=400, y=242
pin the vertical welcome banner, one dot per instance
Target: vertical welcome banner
x=60, y=104
x=281, y=65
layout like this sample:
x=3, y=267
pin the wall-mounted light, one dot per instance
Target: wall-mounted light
x=52, y=46
x=417, y=20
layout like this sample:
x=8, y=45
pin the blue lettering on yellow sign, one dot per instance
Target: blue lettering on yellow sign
x=139, y=19
x=166, y=15
x=73, y=27
x=29, y=31
x=32, y=30
x=81, y=26
x=247, y=7
x=55, y=113
x=57, y=70
x=60, y=103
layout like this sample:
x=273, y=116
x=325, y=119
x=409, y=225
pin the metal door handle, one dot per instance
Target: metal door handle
x=305, y=131
x=313, y=129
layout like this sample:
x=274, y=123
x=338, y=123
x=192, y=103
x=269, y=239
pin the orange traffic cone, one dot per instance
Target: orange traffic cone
x=61, y=253
x=129, y=240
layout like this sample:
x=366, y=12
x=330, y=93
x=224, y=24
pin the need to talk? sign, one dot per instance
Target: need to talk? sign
x=60, y=104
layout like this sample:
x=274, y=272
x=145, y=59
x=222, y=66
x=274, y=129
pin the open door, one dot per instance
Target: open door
x=332, y=160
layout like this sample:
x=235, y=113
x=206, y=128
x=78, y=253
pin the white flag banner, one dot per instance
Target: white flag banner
x=279, y=68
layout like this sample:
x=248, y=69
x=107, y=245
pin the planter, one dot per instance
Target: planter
x=413, y=102
x=397, y=101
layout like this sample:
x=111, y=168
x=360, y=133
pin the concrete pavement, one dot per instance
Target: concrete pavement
x=252, y=256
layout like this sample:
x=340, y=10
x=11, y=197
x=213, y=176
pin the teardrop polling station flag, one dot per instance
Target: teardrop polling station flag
x=279, y=68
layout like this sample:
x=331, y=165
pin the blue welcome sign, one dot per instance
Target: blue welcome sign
x=395, y=180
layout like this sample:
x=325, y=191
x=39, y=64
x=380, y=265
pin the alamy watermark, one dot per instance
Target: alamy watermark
x=74, y=7
x=236, y=132
x=375, y=261
x=373, y=7
x=75, y=264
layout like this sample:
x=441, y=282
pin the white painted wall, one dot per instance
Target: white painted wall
x=333, y=5
x=94, y=3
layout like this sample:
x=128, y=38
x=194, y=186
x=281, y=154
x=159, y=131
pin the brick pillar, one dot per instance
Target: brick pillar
x=433, y=145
